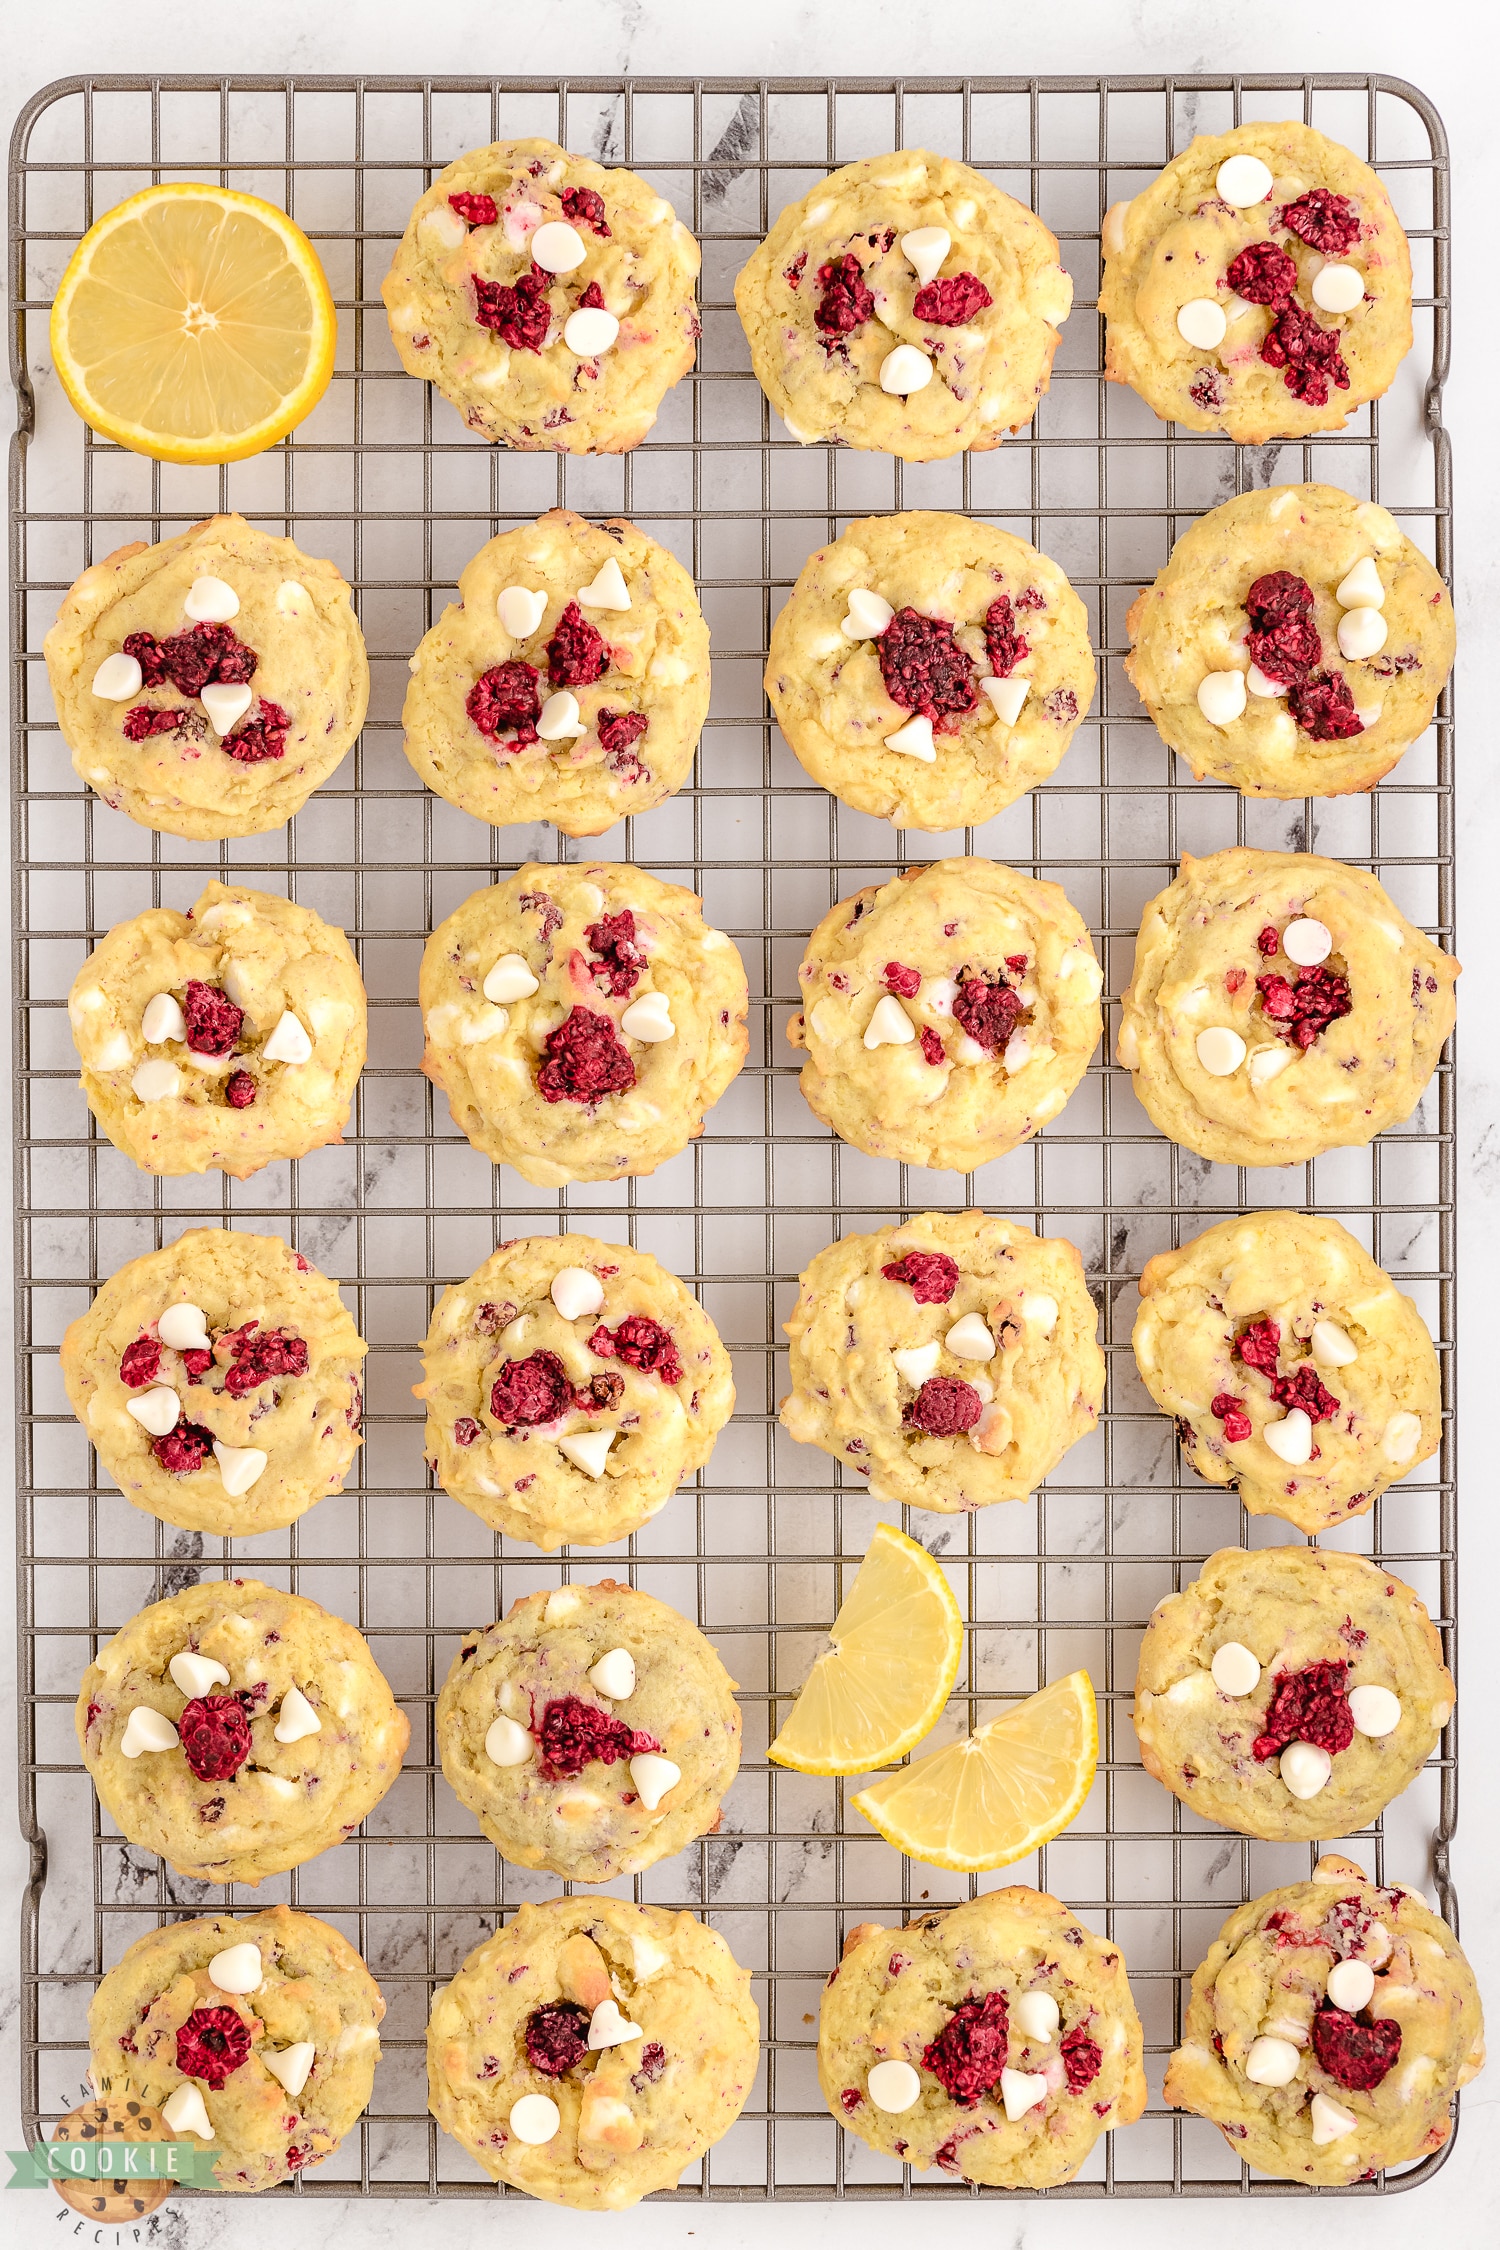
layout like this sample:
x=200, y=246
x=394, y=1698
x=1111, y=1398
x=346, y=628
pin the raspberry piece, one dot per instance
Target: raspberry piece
x=902, y=980
x=944, y=1407
x=259, y=738
x=507, y=695
x=1260, y=1345
x=519, y=316
x=239, y=1089
x=141, y=722
x=1264, y=274
x=475, y=210
x=846, y=302
x=1307, y=1706
x=850, y=2099
x=930, y=1275
x=585, y=205
x=1323, y=707
x=1299, y=1013
x=932, y=1046
x=1304, y=1387
x=617, y=730
x=139, y=1362
x=556, y=2037
x=465, y=1430
x=574, y=1734
x=600, y=1392
x=215, y=1736
x=988, y=1012
x=923, y=667
x=1229, y=1410
x=1082, y=2059
x=1323, y=220
x=196, y=1364
x=1356, y=2055
x=1005, y=645
x=530, y=1391
x=592, y=299
x=619, y=959
x=1289, y=652
x=584, y=1060
x=970, y=2051
x=146, y=649
x=213, y=1021
x=1269, y=941
x=640, y=1342
x=946, y=304
x=184, y=1449
x=1309, y=353
x=193, y=657
x=259, y=1354
x=212, y=2044
x=1206, y=390
x=576, y=654
x=1275, y=597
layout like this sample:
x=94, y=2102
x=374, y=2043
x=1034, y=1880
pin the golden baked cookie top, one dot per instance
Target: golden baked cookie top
x=225, y=1036
x=1329, y=2028
x=1294, y=645
x=549, y=298
x=569, y=681
x=219, y=1381
x=905, y=306
x=1294, y=1368
x=1281, y=1005
x=1260, y=285
x=952, y=1359
x=929, y=668
x=947, y=1014
x=1290, y=1692
x=206, y=685
x=581, y=1019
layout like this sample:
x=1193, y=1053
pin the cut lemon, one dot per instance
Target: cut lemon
x=1005, y=1789
x=194, y=324
x=896, y=1640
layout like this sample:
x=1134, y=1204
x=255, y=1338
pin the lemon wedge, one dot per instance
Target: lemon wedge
x=194, y=324
x=896, y=1640
x=1009, y=1787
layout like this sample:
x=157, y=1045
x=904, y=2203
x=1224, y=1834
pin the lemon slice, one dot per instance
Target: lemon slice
x=1008, y=1787
x=897, y=1640
x=194, y=324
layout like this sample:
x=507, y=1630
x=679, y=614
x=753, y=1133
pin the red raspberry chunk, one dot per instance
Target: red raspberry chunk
x=1082, y=2059
x=584, y=206
x=215, y=1736
x=184, y=1449
x=1005, y=646
x=618, y=959
x=466, y=1430
x=924, y=669
x=583, y=1060
x=239, y=1089
x=1260, y=1346
x=1324, y=708
x=576, y=654
x=1299, y=1013
x=260, y=1354
x=944, y=1407
x=1269, y=941
x=930, y=1275
x=556, y=2037
x=905, y=982
x=1264, y=274
x=1324, y=220
x=932, y=1046
x=988, y=1012
x=212, y=2044
x=519, y=316
x=1307, y=1706
x=1355, y=2055
x=213, y=1021
x=527, y=1392
x=1229, y=1410
x=260, y=738
x=1304, y=1387
x=506, y=696
x=950, y=302
x=574, y=1734
x=1283, y=639
x=1308, y=352
x=970, y=2051
x=641, y=1343
x=141, y=722
x=474, y=209
x=846, y=302
x=617, y=731
x=191, y=658
x=139, y=1362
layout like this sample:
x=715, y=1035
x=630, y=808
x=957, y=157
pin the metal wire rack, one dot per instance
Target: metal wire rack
x=385, y=478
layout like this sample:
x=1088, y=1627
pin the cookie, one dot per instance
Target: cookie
x=118, y=2201
x=1260, y=286
x=1281, y=1005
x=1329, y=2029
x=952, y=1360
x=548, y=298
x=568, y=682
x=948, y=1014
x=1290, y=1693
x=581, y=1019
x=997, y=2040
x=1294, y=1368
x=247, y=1410
x=224, y=1037
x=1295, y=644
x=905, y=306
x=929, y=668
x=593, y=1731
x=237, y=1730
x=590, y=2051
x=254, y=2035
x=206, y=686
x=571, y=1385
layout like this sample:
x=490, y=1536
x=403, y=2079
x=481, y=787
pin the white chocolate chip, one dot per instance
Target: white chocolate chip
x=443, y=226
x=1113, y=235
x=1331, y=1345
x=649, y=1019
x=893, y=2085
x=614, y=1675
x=1338, y=288
x=1260, y=683
x=969, y=1338
x=1242, y=181
x=534, y=2119
x=917, y=1363
x=1021, y=2090
x=914, y=740
x=196, y=1674
x=926, y=247
x=240, y=1466
x=1306, y=941
x=608, y=2028
x=211, y=601
x=291, y=2065
x=653, y=1776
x=557, y=247
x=1378, y=525
x=1362, y=588
x=237, y=1969
x=1401, y=1437
x=1272, y=2062
x=868, y=615
x=1221, y=697
x=588, y=1449
x=509, y=979
x=576, y=1292
x=1374, y=1710
x=289, y=1042
x=118, y=678
x=1267, y=1063
x=608, y=589
x=1007, y=696
x=297, y=1717
x=1202, y=323
x=162, y=1019
x=156, y=1410
x=905, y=370
x=889, y=1025
x=1369, y=714
x=182, y=1328
x=183, y=2110
x=1220, y=1050
x=112, y=1054
x=520, y=611
x=1038, y=1310
x=647, y=1958
x=1362, y=632
x=508, y=1744
x=147, y=1730
x=1330, y=2121
x=156, y=1081
x=224, y=703
x=559, y=718
x=292, y=598
x=1290, y=1439
x=1305, y=1769
x=1351, y=1985
x=479, y=1024
x=1236, y=1669
x=590, y=331
x=1038, y=2016
x=564, y=1601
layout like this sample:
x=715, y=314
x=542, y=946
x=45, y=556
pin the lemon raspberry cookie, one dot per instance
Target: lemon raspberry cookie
x=548, y=298
x=205, y=686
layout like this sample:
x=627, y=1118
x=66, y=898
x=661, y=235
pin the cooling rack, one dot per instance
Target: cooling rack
x=384, y=478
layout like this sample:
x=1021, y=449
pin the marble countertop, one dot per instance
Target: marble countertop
x=1439, y=48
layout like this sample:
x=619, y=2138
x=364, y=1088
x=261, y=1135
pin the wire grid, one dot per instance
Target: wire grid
x=385, y=478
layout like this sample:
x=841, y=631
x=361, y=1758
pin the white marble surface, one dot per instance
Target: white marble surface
x=1443, y=47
